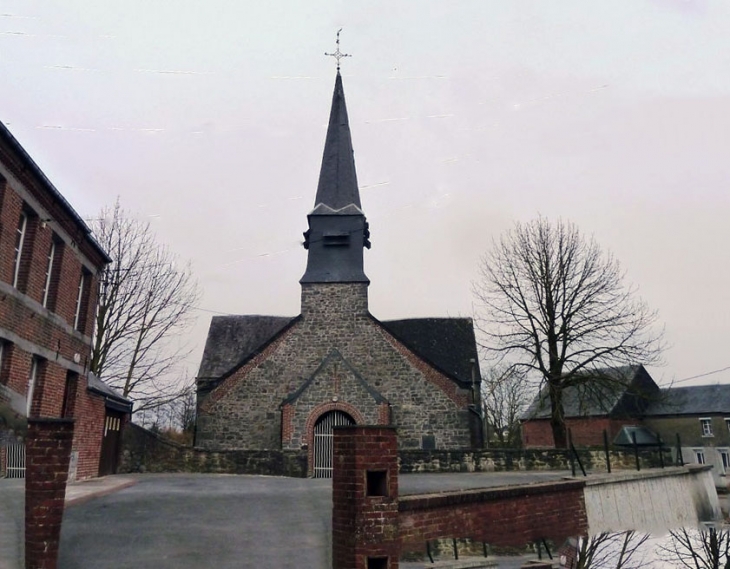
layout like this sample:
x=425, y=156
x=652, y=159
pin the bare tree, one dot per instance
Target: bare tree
x=620, y=550
x=146, y=300
x=505, y=395
x=697, y=549
x=554, y=304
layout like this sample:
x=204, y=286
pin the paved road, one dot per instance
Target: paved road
x=218, y=521
x=182, y=521
x=12, y=503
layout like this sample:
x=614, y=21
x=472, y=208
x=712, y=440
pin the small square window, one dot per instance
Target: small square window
x=377, y=482
x=377, y=563
x=706, y=425
x=699, y=455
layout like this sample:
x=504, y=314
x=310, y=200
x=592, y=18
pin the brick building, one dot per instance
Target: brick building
x=49, y=275
x=618, y=398
x=693, y=421
x=268, y=382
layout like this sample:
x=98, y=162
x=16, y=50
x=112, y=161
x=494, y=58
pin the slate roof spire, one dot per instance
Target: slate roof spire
x=338, y=230
x=337, y=189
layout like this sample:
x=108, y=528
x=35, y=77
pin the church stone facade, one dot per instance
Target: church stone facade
x=268, y=382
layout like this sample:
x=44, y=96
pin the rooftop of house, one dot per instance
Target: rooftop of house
x=70, y=219
x=233, y=339
x=448, y=344
x=112, y=397
x=616, y=391
x=692, y=400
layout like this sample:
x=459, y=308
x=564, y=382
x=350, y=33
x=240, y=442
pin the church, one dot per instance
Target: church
x=272, y=382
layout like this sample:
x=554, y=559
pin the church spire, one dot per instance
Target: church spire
x=337, y=188
x=338, y=231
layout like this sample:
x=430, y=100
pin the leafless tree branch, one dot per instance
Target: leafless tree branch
x=146, y=299
x=553, y=303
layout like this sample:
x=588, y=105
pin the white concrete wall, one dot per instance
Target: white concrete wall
x=651, y=501
x=712, y=457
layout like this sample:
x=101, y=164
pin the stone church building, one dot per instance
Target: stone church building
x=271, y=382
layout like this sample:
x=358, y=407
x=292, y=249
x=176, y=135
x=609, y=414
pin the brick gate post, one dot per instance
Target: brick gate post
x=365, y=498
x=48, y=451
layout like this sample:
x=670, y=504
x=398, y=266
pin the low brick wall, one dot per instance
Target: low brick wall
x=372, y=525
x=145, y=451
x=48, y=453
x=497, y=460
x=508, y=517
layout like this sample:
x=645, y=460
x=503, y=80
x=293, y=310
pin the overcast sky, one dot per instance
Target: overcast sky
x=208, y=119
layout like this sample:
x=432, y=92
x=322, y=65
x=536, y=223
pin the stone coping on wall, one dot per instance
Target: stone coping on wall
x=479, y=495
x=627, y=475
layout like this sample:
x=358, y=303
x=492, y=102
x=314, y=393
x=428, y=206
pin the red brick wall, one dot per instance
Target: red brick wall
x=510, y=517
x=27, y=328
x=12, y=205
x=48, y=448
x=89, y=414
x=366, y=526
x=586, y=431
x=16, y=368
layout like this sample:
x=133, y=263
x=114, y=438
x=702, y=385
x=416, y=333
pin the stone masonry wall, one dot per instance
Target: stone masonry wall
x=497, y=460
x=244, y=411
x=145, y=451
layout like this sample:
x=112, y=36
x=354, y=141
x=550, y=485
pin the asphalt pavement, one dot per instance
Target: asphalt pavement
x=196, y=520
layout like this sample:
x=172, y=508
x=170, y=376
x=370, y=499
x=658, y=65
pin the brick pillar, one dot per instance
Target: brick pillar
x=48, y=450
x=365, y=498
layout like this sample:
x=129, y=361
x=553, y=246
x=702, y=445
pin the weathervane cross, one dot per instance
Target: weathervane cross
x=338, y=54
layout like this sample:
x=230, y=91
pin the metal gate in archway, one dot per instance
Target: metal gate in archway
x=323, y=441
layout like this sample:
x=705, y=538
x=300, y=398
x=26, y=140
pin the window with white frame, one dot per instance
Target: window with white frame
x=699, y=455
x=724, y=458
x=49, y=275
x=706, y=425
x=34, y=365
x=79, y=302
x=727, y=424
x=19, y=242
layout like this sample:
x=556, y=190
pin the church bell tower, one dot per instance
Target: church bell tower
x=338, y=231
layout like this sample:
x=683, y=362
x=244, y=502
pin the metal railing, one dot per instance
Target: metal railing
x=15, y=461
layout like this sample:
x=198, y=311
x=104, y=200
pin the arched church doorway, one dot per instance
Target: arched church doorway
x=323, y=435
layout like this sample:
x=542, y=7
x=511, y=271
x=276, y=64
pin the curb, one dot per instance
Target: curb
x=98, y=492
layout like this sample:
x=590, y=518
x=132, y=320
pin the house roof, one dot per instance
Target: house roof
x=72, y=222
x=615, y=392
x=233, y=339
x=112, y=397
x=692, y=400
x=644, y=437
x=446, y=343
